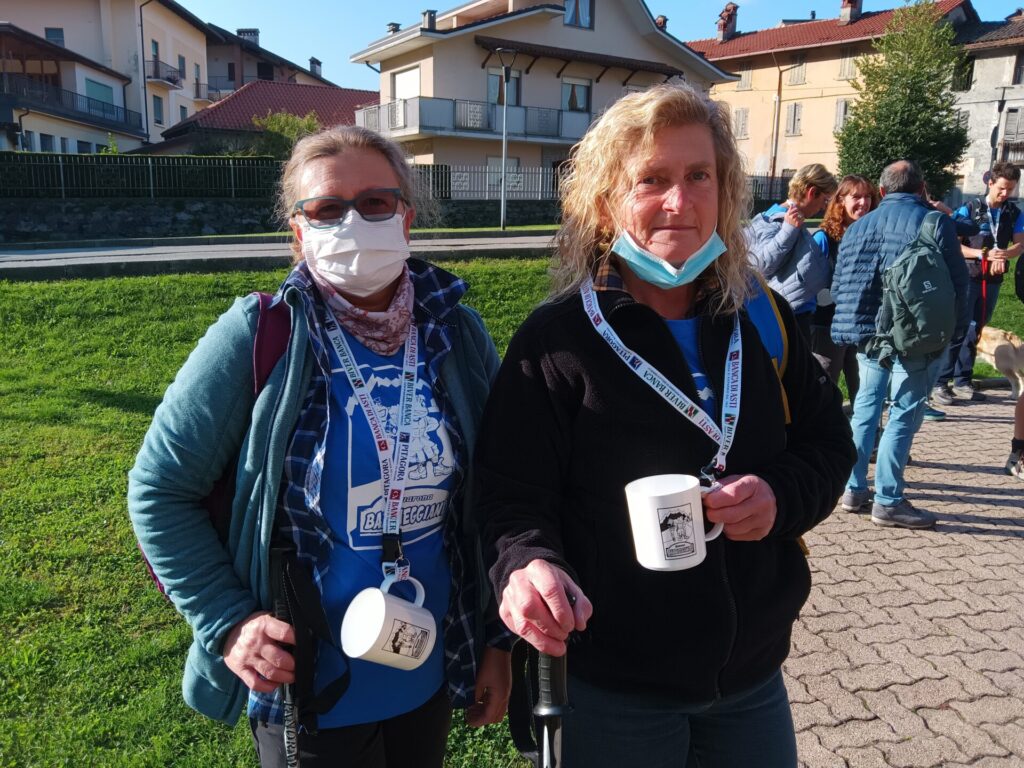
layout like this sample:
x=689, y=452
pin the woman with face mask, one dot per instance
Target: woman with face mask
x=647, y=359
x=353, y=460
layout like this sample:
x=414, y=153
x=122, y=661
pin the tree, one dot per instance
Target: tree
x=279, y=131
x=905, y=106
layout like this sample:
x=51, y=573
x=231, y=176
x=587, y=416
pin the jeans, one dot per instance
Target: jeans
x=908, y=384
x=959, y=364
x=751, y=728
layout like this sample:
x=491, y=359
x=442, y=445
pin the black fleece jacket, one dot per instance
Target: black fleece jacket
x=568, y=424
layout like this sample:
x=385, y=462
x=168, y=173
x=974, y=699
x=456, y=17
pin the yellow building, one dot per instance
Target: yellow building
x=796, y=81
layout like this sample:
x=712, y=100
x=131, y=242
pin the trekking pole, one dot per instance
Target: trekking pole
x=282, y=611
x=552, y=704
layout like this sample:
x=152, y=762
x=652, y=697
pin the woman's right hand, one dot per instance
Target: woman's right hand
x=252, y=651
x=793, y=217
x=536, y=606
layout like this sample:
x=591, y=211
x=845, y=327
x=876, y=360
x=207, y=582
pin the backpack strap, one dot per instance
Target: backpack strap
x=930, y=235
x=764, y=313
x=273, y=329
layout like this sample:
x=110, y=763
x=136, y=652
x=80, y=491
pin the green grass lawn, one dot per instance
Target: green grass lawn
x=91, y=660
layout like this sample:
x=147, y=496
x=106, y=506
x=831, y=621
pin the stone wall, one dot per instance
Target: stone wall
x=35, y=220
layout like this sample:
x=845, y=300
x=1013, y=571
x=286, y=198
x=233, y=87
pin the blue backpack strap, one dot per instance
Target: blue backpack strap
x=765, y=315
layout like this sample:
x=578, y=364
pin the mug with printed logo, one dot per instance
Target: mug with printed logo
x=386, y=629
x=667, y=518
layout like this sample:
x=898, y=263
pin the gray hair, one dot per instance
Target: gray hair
x=901, y=176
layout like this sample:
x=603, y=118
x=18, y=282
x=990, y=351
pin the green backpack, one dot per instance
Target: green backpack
x=918, y=311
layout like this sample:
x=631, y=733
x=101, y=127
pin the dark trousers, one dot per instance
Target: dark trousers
x=417, y=738
x=963, y=349
x=836, y=359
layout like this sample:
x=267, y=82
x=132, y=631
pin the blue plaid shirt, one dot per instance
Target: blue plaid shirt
x=437, y=293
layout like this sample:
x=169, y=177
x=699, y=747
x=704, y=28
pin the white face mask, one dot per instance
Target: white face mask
x=357, y=257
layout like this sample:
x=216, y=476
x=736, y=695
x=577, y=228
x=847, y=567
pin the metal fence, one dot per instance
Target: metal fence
x=481, y=182
x=27, y=175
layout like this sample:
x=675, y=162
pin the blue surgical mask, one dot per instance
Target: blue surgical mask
x=656, y=271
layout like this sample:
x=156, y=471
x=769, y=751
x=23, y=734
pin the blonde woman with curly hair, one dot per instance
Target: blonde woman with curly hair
x=855, y=197
x=647, y=359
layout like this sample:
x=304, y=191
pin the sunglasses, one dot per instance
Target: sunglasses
x=371, y=204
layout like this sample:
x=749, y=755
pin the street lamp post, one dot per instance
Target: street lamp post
x=506, y=75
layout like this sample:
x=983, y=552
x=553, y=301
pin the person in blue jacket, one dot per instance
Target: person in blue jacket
x=382, y=355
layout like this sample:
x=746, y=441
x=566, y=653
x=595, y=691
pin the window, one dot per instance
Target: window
x=963, y=118
x=198, y=73
x=181, y=66
x=745, y=77
x=84, y=148
x=964, y=75
x=28, y=141
x=739, y=122
x=158, y=110
x=264, y=71
x=231, y=71
x=579, y=13
x=45, y=142
x=496, y=87
x=99, y=91
x=798, y=71
x=182, y=113
x=575, y=94
x=1014, y=130
x=842, y=112
x=847, y=64
x=54, y=35
x=793, y=119
x=65, y=145
x=1018, y=69
x=154, y=48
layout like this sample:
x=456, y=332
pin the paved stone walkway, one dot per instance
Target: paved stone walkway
x=910, y=650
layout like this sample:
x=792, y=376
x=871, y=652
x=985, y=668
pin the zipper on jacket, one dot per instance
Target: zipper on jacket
x=724, y=570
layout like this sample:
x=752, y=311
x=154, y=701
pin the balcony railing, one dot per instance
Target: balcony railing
x=206, y=92
x=33, y=93
x=423, y=114
x=165, y=73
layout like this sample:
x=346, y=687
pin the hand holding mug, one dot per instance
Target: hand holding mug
x=745, y=504
x=793, y=217
x=536, y=606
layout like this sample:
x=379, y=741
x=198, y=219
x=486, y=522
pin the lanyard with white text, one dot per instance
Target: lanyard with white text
x=671, y=393
x=392, y=454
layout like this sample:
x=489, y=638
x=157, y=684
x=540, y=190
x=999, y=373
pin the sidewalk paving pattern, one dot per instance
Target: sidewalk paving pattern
x=910, y=650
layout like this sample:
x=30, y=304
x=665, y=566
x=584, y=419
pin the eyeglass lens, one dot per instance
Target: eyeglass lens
x=372, y=205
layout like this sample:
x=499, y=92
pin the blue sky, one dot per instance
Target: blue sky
x=332, y=30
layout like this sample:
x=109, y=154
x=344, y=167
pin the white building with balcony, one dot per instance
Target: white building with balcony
x=443, y=96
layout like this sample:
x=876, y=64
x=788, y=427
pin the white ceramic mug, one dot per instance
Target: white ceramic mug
x=667, y=517
x=386, y=629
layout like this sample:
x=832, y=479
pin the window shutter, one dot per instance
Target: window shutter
x=1012, y=124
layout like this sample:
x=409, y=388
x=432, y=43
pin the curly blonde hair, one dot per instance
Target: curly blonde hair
x=834, y=221
x=599, y=180
x=330, y=143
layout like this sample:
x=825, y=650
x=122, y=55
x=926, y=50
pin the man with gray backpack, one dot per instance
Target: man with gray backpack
x=900, y=290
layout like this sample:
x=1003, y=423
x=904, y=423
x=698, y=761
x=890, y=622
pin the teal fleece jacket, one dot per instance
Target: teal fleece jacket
x=201, y=425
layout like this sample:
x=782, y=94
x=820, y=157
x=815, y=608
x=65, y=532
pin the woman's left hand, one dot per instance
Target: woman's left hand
x=493, y=686
x=745, y=504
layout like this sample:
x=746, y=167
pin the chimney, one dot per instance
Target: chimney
x=1017, y=15
x=249, y=34
x=849, y=11
x=813, y=15
x=727, y=22
x=314, y=65
x=661, y=23
x=429, y=20
x=393, y=27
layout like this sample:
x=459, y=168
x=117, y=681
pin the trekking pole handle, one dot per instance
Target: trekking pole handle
x=552, y=693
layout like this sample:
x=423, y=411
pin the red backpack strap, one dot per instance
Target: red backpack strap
x=273, y=328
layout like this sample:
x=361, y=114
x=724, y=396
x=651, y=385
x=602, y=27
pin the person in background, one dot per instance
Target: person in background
x=1015, y=463
x=781, y=247
x=1000, y=237
x=651, y=285
x=855, y=197
x=869, y=247
x=320, y=463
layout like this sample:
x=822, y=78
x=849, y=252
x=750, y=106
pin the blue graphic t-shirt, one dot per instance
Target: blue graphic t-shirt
x=685, y=333
x=352, y=502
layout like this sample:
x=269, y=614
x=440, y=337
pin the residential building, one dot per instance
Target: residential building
x=990, y=94
x=443, y=96
x=795, y=83
x=237, y=59
x=228, y=124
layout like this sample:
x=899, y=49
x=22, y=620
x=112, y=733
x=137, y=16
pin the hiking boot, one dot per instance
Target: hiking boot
x=855, y=501
x=933, y=414
x=968, y=392
x=1015, y=465
x=902, y=515
x=942, y=395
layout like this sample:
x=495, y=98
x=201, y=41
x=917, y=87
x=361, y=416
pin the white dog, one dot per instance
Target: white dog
x=1003, y=351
